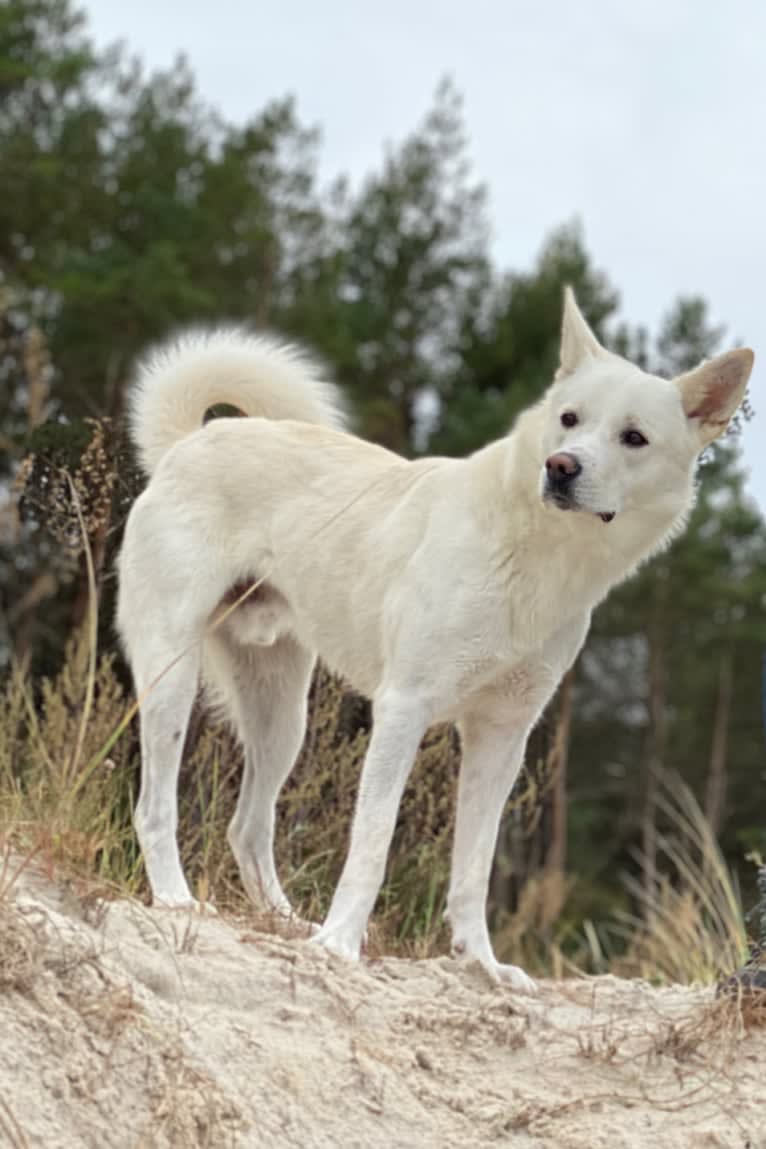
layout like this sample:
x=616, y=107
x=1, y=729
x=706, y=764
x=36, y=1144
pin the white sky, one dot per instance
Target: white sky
x=645, y=120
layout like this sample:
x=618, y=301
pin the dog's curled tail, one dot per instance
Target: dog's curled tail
x=177, y=383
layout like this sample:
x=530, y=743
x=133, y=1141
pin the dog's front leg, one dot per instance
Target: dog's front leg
x=493, y=753
x=400, y=720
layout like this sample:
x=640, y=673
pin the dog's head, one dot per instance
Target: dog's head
x=617, y=439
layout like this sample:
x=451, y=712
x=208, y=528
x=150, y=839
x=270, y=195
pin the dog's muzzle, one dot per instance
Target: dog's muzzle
x=561, y=470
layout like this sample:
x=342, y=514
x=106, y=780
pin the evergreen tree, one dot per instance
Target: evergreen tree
x=509, y=341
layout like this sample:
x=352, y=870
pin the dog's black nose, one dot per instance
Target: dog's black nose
x=562, y=468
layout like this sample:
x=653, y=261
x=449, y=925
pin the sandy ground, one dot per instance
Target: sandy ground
x=122, y=1026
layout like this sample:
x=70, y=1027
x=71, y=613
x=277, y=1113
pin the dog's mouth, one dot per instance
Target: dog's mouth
x=563, y=502
x=566, y=503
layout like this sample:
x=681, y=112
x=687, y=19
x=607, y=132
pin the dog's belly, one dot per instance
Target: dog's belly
x=353, y=652
x=253, y=614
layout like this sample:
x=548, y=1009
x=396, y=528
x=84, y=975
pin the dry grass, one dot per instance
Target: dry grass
x=14, y=1135
x=188, y=1108
x=672, y=1055
x=690, y=926
x=33, y=945
x=65, y=800
x=22, y=946
x=51, y=801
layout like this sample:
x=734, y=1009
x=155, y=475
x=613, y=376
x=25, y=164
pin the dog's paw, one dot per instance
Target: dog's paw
x=338, y=942
x=512, y=976
x=482, y=958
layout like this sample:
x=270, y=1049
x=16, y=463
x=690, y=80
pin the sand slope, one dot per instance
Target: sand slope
x=124, y=1027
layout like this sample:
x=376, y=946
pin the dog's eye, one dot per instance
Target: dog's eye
x=633, y=438
x=569, y=419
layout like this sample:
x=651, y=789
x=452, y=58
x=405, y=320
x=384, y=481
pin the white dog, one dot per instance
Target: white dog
x=453, y=589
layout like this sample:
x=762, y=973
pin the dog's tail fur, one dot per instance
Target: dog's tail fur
x=179, y=382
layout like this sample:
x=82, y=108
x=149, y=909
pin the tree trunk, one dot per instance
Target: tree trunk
x=558, y=758
x=715, y=797
x=553, y=887
x=655, y=737
x=36, y=368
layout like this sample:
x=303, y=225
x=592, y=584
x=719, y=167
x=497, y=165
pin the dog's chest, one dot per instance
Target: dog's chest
x=509, y=653
x=546, y=590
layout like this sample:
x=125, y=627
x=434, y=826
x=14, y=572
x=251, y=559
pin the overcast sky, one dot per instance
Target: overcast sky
x=648, y=121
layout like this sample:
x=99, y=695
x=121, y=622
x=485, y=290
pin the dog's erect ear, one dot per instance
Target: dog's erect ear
x=712, y=393
x=577, y=340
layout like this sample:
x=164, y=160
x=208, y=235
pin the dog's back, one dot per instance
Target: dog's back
x=177, y=383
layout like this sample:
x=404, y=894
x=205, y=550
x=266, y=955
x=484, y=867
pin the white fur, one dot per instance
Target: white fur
x=178, y=382
x=441, y=588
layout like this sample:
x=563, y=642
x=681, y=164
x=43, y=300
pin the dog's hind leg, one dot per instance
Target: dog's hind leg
x=264, y=689
x=165, y=713
x=169, y=585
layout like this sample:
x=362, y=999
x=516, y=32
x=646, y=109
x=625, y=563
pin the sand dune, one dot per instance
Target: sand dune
x=122, y=1026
